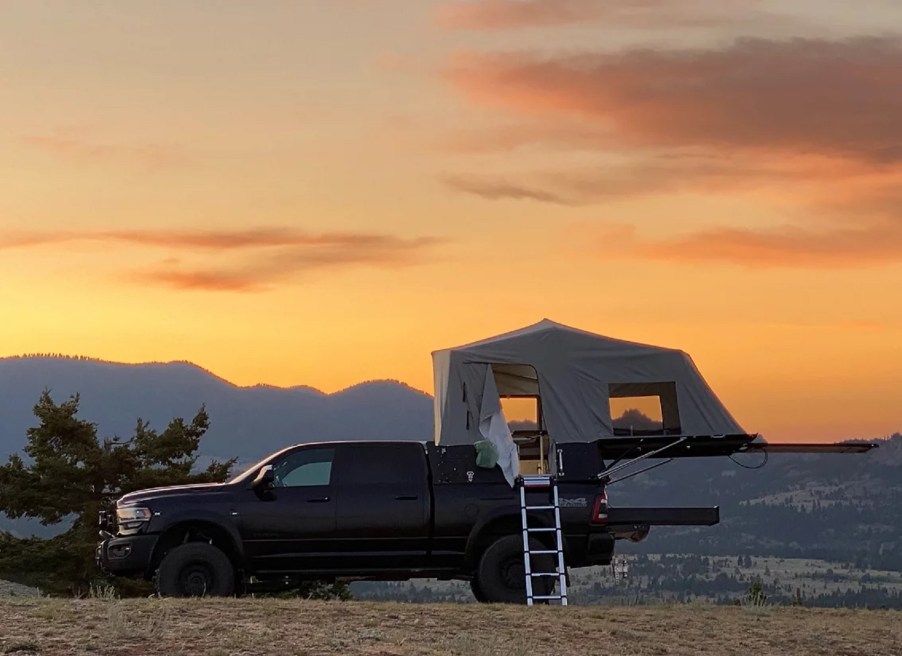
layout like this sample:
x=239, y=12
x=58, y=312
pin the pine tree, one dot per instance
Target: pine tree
x=70, y=476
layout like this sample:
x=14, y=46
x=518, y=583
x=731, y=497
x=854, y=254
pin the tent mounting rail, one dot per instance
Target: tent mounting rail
x=801, y=447
x=699, y=446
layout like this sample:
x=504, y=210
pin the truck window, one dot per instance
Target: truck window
x=305, y=467
x=381, y=464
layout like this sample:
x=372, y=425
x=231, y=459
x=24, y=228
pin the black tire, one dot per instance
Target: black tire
x=501, y=573
x=477, y=591
x=196, y=569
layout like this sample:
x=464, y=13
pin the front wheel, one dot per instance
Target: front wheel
x=502, y=577
x=196, y=569
x=478, y=594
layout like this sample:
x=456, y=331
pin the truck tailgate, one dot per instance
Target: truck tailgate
x=663, y=516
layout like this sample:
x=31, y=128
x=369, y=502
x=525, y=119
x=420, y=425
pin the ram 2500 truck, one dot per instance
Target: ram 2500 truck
x=364, y=510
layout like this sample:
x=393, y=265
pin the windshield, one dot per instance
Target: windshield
x=251, y=471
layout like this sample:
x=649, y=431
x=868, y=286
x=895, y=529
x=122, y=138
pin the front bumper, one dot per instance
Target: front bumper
x=125, y=556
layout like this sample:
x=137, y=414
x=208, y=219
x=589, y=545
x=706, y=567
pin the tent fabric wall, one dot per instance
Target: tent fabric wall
x=575, y=371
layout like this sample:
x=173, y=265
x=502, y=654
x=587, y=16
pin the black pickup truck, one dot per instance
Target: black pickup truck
x=362, y=510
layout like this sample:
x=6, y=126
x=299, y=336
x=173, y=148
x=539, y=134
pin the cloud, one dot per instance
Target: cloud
x=859, y=227
x=215, y=240
x=664, y=174
x=217, y=281
x=265, y=269
x=838, y=98
x=72, y=146
x=811, y=123
x=517, y=14
x=507, y=137
x=244, y=260
x=501, y=189
x=875, y=244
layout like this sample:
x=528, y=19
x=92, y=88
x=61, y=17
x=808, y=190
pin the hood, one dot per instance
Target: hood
x=149, y=494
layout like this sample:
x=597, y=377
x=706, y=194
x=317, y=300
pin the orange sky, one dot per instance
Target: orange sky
x=324, y=192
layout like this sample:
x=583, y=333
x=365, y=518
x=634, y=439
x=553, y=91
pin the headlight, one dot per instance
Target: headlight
x=133, y=514
x=131, y=519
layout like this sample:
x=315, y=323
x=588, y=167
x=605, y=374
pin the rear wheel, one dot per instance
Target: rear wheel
x=196, y=569
x=501, y=574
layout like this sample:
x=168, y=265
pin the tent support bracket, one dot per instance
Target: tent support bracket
x=606, y=475
x=641, y=471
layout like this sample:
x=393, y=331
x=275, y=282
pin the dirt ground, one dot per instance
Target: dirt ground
x=295, y=627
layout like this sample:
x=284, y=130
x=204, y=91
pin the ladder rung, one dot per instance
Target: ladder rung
x=543, y=551
x=544, y=574
x=539, y=530
x=544, y=597
x=539, y=507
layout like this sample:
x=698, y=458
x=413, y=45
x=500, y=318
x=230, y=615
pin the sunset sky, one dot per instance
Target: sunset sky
x=323, y=192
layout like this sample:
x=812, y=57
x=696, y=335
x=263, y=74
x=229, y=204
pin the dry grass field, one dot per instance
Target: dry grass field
x=288, y=627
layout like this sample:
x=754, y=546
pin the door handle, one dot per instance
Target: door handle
x=407, y=498
x=318, y=500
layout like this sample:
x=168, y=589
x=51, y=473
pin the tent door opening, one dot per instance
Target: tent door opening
x=521, y=403
x=527, y=428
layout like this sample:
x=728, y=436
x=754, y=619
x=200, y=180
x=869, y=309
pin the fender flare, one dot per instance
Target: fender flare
x=218, y=520
x=498, y=516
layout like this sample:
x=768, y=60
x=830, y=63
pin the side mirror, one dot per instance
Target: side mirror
x=265, y=478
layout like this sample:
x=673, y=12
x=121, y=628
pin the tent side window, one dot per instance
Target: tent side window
x=644, y=408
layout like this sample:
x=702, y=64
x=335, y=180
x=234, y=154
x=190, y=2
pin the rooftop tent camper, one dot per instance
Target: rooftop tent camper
x=575, y=378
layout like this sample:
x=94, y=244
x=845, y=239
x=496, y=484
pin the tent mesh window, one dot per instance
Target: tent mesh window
x=644, y=408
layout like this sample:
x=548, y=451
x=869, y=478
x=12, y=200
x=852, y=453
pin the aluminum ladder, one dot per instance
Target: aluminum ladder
x=552, y=504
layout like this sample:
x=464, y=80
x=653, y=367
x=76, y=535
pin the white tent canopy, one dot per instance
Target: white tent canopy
x=575, y=374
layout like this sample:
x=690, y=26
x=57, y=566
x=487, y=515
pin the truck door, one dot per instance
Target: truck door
x=382, y=514
x=291, y=526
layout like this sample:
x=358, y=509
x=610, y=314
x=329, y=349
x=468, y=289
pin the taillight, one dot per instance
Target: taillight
x=600, y=509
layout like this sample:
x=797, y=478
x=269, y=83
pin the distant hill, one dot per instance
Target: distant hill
x=834, y=507
x=247, y=422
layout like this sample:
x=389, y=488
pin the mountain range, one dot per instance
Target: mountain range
x=245, y=422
